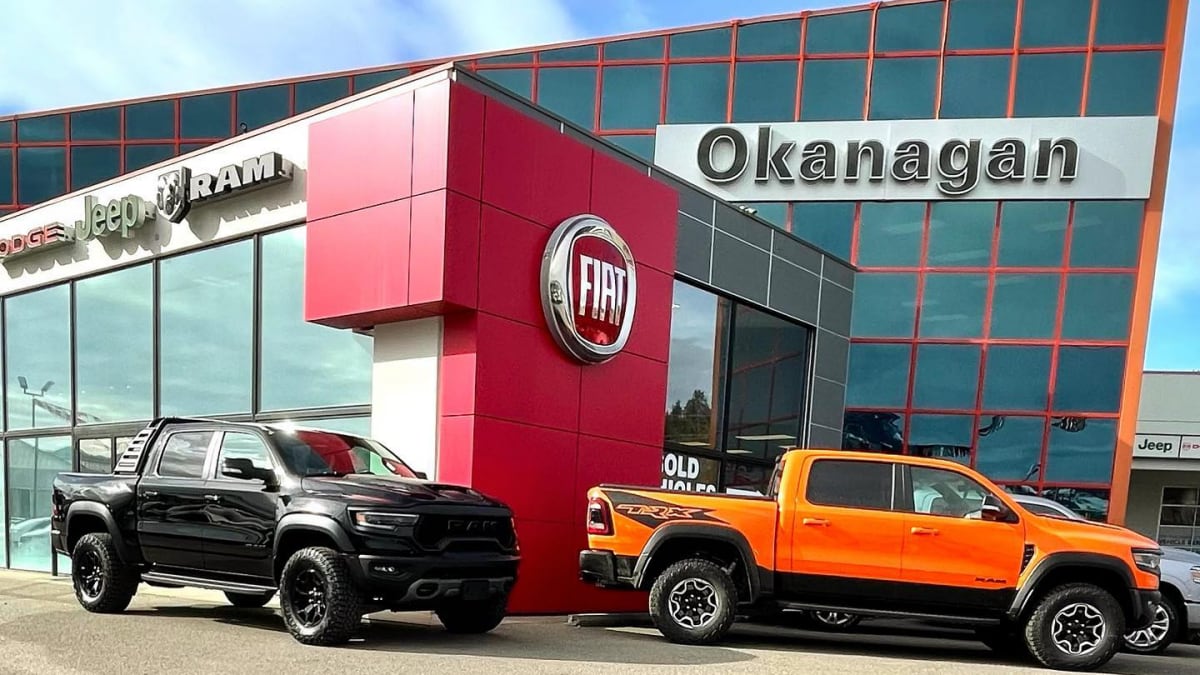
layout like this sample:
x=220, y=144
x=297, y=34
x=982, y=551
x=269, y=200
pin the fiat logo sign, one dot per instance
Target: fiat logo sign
x=589, y=288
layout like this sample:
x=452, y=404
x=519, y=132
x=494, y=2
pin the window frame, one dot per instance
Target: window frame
x=161, y=452
x=219, y=449
x=812, y=464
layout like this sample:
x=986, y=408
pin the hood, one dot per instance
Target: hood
x=370, y=490
x=1181, y=555
x=1082, y=533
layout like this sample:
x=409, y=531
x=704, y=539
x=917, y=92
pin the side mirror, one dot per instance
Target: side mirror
x=421, y=474
x=243, y=468
x=994, y=511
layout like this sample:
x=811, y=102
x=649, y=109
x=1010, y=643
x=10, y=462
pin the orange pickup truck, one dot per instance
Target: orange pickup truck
x=881, y=535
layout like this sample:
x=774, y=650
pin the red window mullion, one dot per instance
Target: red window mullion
x=989, y=299
x=800, y=61
x=870, y=62
x=733, y=38
x=1016, y=50
x=666, y=69
x=941, y=75
x=1054, y=353
x=1087, y=64
x=912, y=357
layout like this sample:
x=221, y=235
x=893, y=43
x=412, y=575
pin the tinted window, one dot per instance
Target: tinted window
x=96, y=125
x=208, y=116
x=971, y=86
x=139, y=156
x=1124, y=83
x=1097, y=306
x=569, y=92
x=239, y=445
x=772, y=212
x=517, y=80
x=311, y=95
x=6, y=132
x=262, y=106
x=845, y=33
x=320, y=453
x=115, y=308
x=41, y=129
x=698, y=321
x=372, y=80
x=205, y=349
x=304, y=365
x=1010, y=447
x=907, y=28
x=91, y=164
x=860, y=485
x=981, y=24
x=95, y=455
x=890, y=234
x=183, y=455
x=903, y=88
x=947, y=377
x=641, y=48
x=1024, y=305
x=941, y=436
x=829, y=225
x=37, y=331
x=640, y=145
x=884, y=305
x=878, y=375
x=1082, y=455
x=6, y=176
x=1089, y=503
x=631, y=97
x=1089, y=379
x=155, y=119
x=961, y=233
x=43, y=174
x=1128, y=22
x=771, y=37
x=878, y=431
x=765, y=91
x=1032, y=234
x=833, y=90
x=1106, y=234
x=1049, y=85
x=1018, y=378
x=1060, y=23
x=713, y=42
x=523, y=57
x=580, y=53
x=697, y=92
x=939, y=492
x=953, y=305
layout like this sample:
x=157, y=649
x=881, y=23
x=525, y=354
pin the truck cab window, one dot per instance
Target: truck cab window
x=853, y=484
x=946, y=493
x=237, y=445
x=183, y=456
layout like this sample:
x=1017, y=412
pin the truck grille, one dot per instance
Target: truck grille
x=464, y=533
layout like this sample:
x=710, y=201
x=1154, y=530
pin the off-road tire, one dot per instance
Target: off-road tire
x=1173, y=631
x=118, y=581
x=724, y=594
x=343, y=604
x=473, y=616
x=1039, y=626
x=249, y=600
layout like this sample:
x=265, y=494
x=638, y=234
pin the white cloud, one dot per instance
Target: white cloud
x=75, y=52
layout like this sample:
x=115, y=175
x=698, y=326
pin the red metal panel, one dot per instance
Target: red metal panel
x=525, y=466
x=510, y=263
x=629, y=202
x=456, y=449
x=464, y=161
x=523, y=376
x=460, y=284
x=651, y=334
x=360, y=158
x=431, y=137
x=609, y=407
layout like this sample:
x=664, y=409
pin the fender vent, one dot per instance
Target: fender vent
x=1029, y=551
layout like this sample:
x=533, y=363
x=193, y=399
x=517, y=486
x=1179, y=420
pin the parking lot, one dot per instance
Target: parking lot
x=42, y=629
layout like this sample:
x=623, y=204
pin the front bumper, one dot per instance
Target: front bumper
x=606, y=569
x=415, y=582
x=1193, y=615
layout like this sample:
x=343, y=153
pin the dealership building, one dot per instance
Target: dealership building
x=922, y=227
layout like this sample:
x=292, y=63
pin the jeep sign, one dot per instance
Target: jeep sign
x=589, y=288
x=1046, y=158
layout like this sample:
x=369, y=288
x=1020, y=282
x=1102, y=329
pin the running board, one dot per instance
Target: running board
x=198, y=582
x=916, y=616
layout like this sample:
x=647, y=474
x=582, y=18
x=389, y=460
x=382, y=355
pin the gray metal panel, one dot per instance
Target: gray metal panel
x=692, y=201
x=828, y=404
x=796, y=252
x=740, y=269
x=742, y=226
x=833, y=355
x=693, y=248
x=824, y=437
x=835, y=308
x=839, y=272
x=794, y=291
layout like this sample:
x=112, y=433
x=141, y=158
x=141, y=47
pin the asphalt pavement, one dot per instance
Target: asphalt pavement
x=42, y=630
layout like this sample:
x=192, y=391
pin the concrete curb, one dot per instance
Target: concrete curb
x=613, y=620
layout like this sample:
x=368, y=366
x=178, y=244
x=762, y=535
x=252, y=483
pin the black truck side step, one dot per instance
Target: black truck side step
x=199, y=582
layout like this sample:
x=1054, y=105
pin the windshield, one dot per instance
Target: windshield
x=323, y=453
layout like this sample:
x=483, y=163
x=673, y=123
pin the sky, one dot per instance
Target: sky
x=117, y=49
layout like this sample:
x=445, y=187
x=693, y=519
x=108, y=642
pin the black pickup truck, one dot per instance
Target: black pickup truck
x=338, y=525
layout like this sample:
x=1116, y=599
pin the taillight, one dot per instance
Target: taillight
x=598, y=519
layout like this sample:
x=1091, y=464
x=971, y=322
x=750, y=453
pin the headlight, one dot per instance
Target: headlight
x=1196, y=575
x=1147, y=560
x=381, y=520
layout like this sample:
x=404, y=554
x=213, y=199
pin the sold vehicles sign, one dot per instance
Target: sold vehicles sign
x=589, y=288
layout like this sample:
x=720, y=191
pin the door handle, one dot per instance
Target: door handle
x=816, y=522
x=213, y=498
x=928, y=531
x=150, y=493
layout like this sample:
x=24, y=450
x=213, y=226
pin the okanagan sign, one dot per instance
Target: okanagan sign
x=588, y=288
x=1044, y=158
